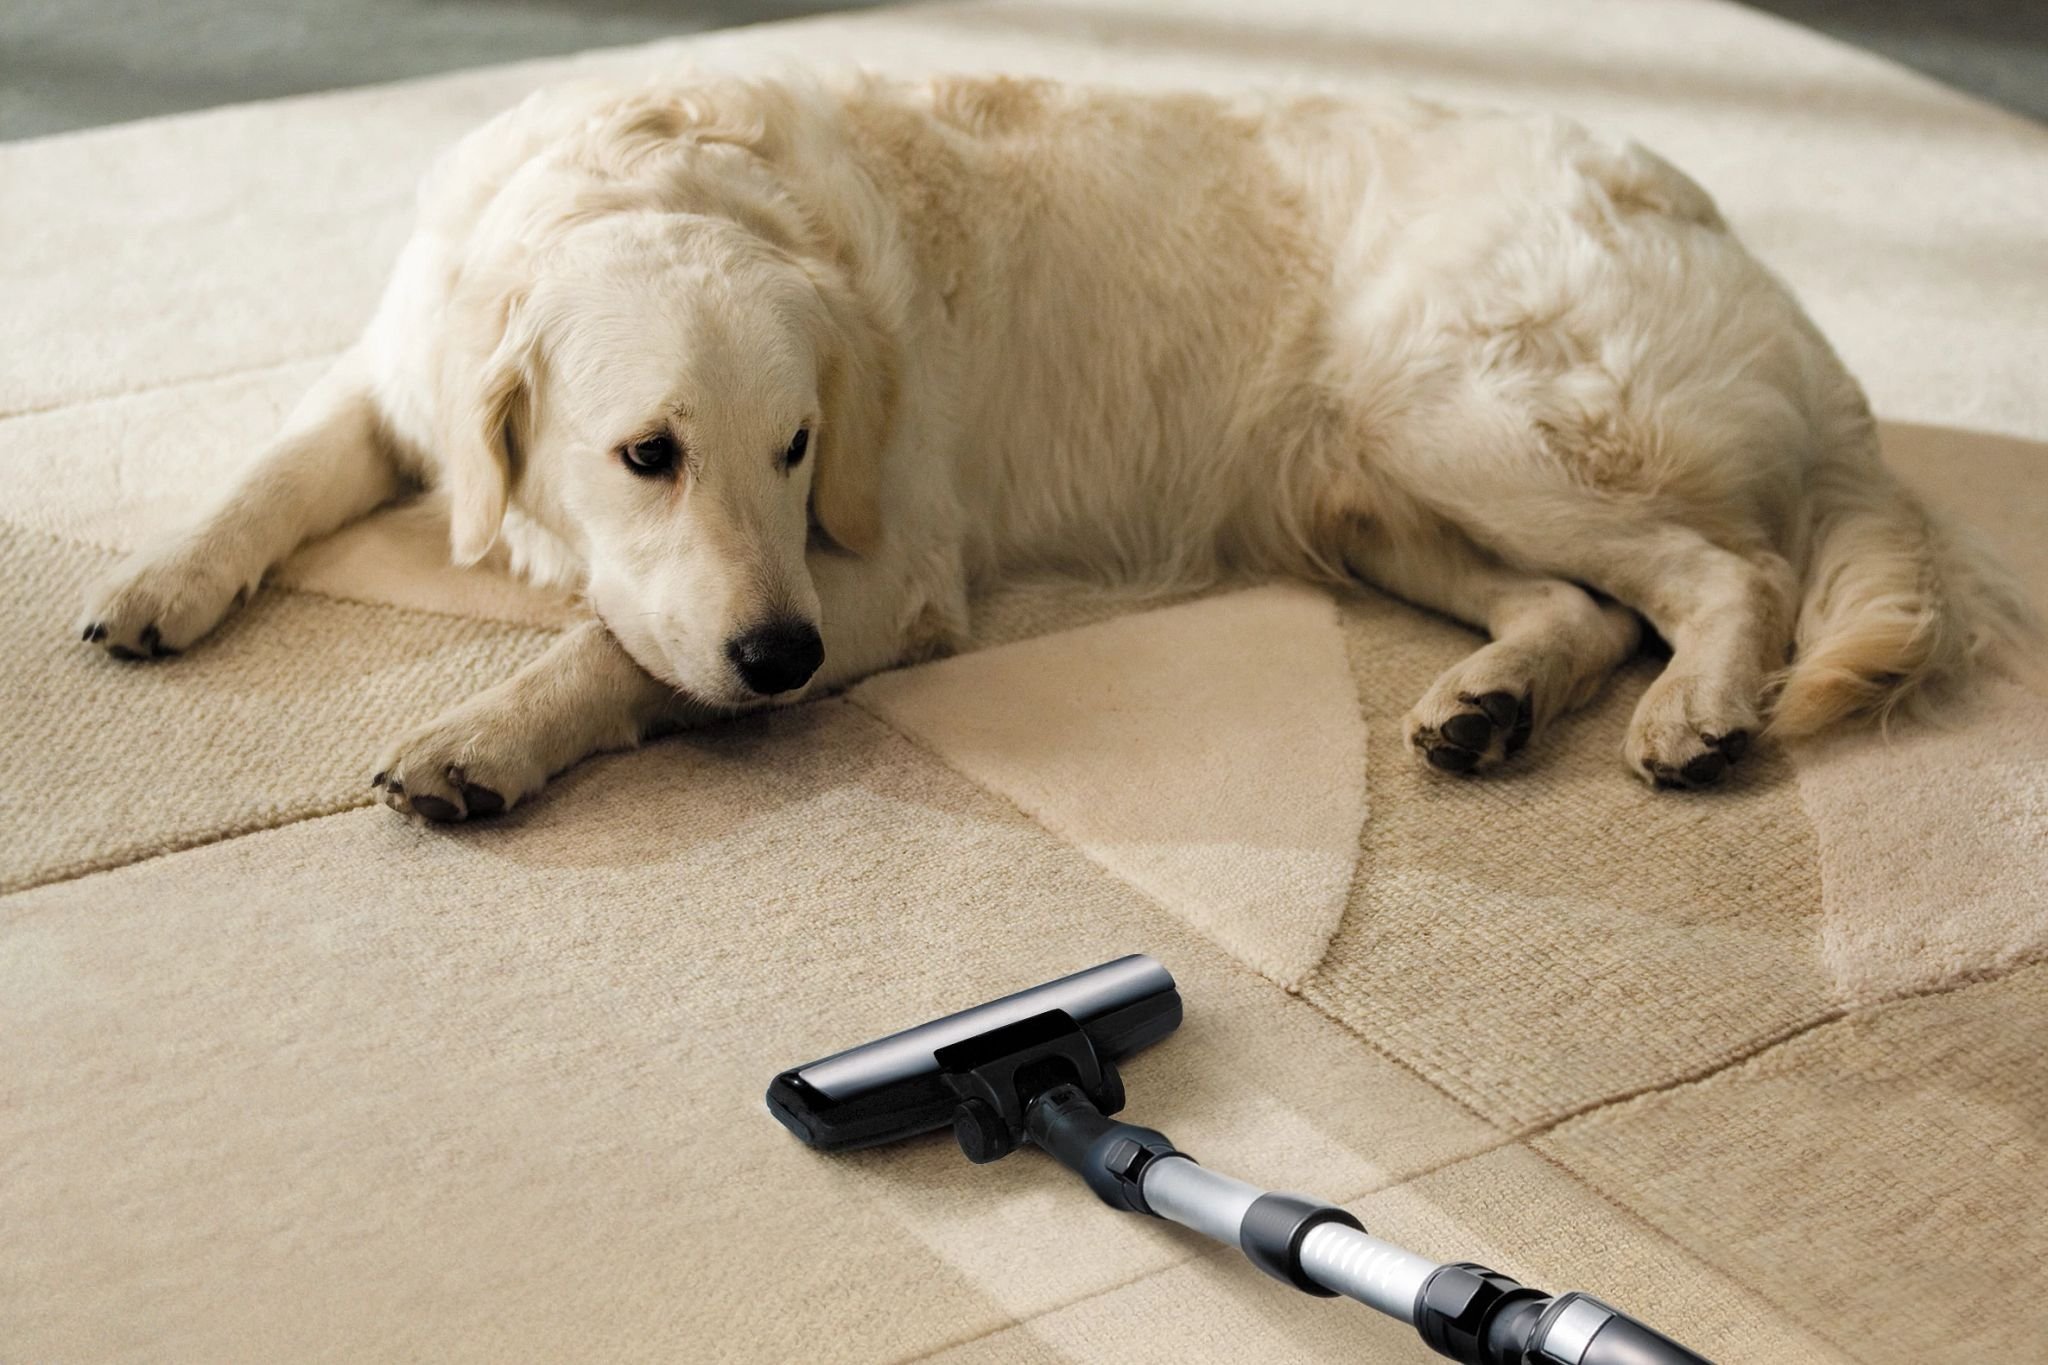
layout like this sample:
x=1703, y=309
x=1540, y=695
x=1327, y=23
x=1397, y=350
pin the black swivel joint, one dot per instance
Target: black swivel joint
x=1482, y=1317
x=1109, y=1155
x=1460, y=1306
x=1274, y=1228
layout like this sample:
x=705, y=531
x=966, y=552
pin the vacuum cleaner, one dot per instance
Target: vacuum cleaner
x=1041, y=1066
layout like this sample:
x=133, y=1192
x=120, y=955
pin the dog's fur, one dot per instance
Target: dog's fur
x=1492, y=364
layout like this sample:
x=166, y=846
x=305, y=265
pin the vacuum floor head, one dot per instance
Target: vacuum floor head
x=1040, y=1067
x=988, y=1060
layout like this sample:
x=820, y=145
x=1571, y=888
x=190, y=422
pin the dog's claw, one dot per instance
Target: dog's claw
x=478, y=799
x=1732, y=745
x=1705, y=770
x=434, y=808
x=482, y=800
x=1702, y=770
x=1451, y=760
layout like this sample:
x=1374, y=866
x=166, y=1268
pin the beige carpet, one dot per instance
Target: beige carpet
x=283, y=1077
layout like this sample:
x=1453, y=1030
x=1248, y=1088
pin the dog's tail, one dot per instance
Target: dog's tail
x=1897, y=608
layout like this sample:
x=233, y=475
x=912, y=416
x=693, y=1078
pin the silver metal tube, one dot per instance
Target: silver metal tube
x=1378, y=1274
x=1197, y=1197
x=1362, y=1267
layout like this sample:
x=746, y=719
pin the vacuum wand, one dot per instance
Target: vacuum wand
x=1040, y=1066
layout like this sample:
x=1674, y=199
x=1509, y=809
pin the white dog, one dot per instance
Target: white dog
x=777, y=374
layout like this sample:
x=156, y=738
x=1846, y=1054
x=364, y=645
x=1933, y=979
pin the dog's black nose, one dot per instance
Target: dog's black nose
x=777, y=657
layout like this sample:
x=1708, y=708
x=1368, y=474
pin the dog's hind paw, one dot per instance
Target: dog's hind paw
x=1482, y=730
x=1688, y=733
x=1484, y=709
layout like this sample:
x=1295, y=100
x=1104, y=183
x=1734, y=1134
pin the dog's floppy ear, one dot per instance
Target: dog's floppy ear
x=486, y=393
x=857, y=377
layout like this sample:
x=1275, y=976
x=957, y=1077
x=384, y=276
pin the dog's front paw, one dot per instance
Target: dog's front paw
x=458, y=768
x=158, y=603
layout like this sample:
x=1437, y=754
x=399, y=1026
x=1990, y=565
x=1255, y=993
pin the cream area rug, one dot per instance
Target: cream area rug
x=283, y=1077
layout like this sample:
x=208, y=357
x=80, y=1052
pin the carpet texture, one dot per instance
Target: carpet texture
x=285, y=1077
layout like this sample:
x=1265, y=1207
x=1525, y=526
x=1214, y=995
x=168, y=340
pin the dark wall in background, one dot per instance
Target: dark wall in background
x=1995, y=49
x=77, y=63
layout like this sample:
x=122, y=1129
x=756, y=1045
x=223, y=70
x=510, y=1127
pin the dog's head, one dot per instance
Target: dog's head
x=693, y=407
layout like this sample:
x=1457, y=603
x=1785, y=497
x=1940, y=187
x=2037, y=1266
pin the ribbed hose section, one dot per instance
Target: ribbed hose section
x=1359, y=1266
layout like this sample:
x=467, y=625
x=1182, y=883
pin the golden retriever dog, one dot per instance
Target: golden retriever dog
x=777, y=373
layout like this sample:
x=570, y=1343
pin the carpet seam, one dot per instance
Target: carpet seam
x=1833, y=1015
x=73, y=872
x=323, y=594
x=1531, y=1137
x=194, y=380
x=1636, y=1216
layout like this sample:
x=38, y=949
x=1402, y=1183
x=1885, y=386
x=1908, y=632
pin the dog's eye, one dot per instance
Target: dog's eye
x=652, y=457
x=798, y=444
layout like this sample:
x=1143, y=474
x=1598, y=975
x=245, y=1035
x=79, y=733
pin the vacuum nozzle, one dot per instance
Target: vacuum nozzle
x=978, y=1070
x=1040, y=1067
